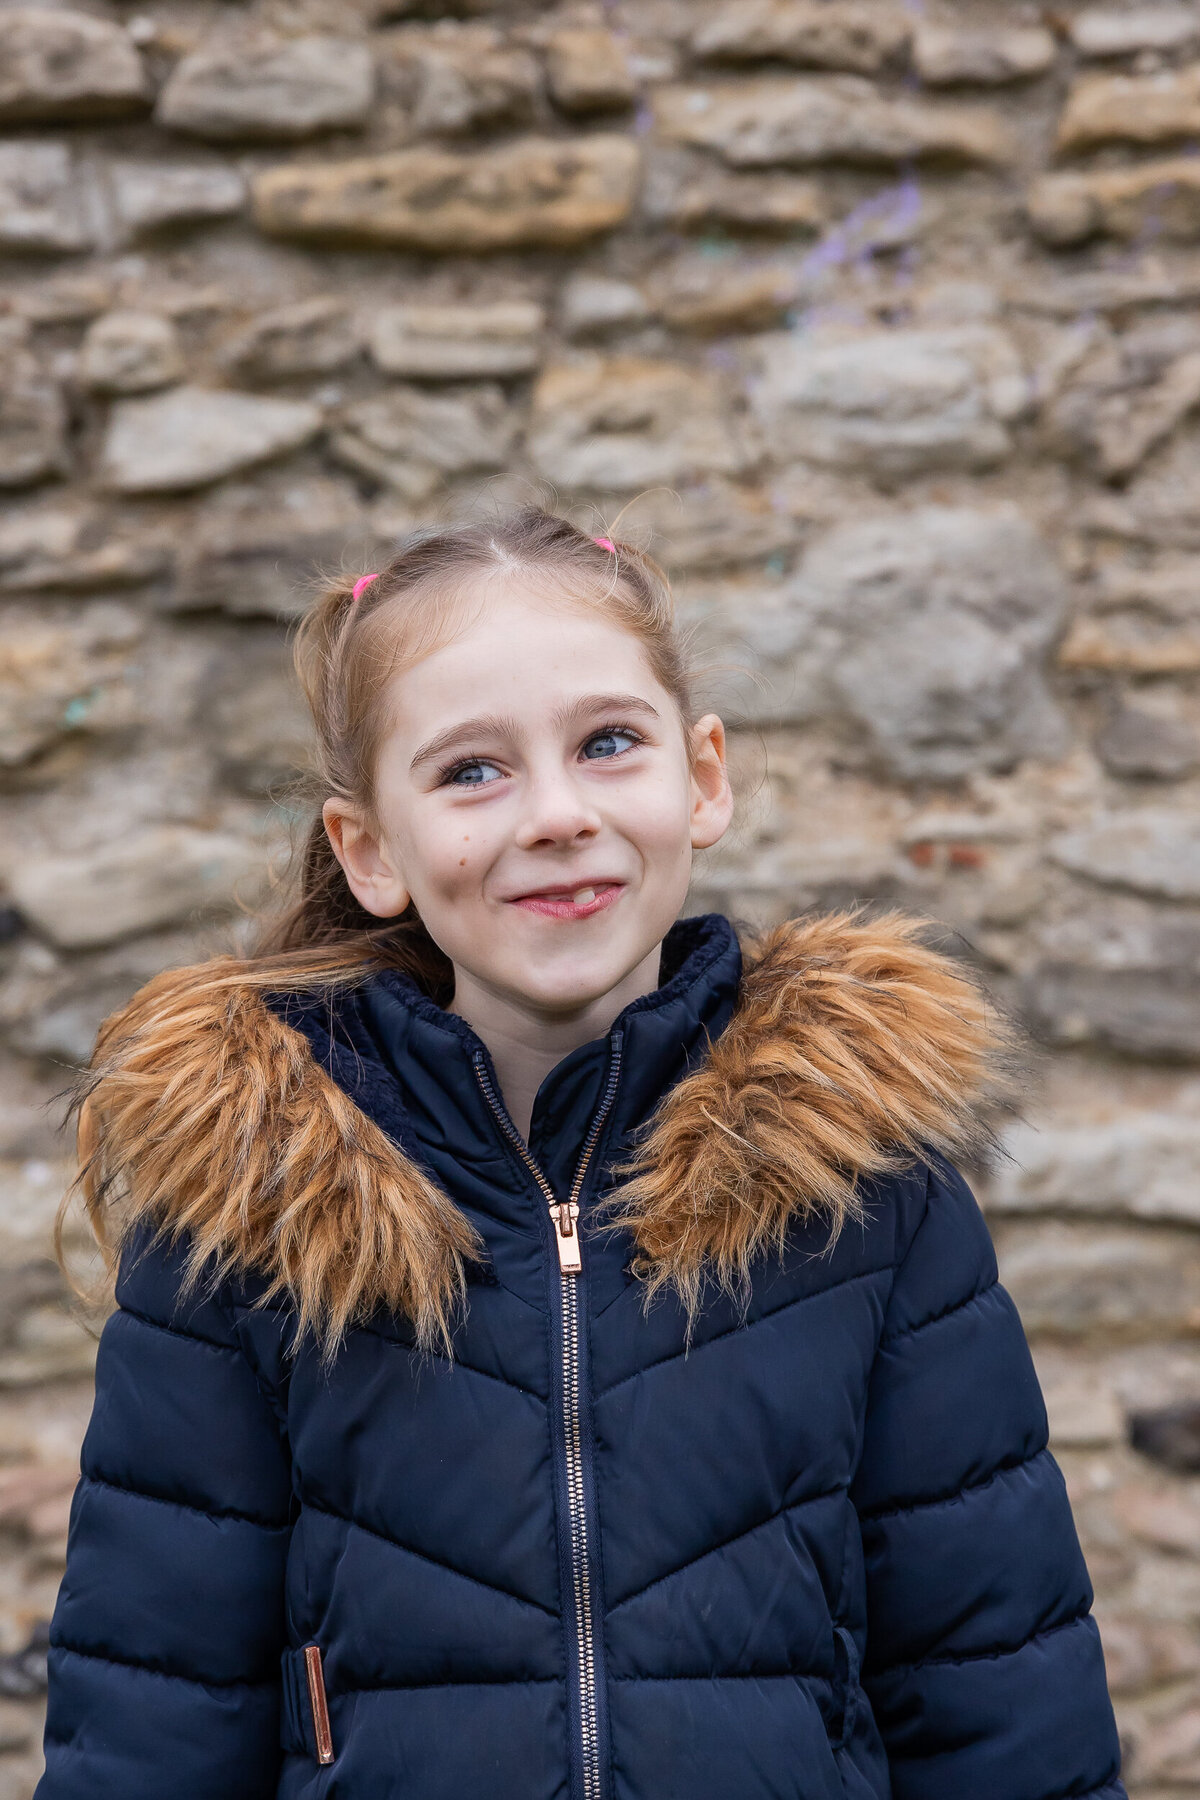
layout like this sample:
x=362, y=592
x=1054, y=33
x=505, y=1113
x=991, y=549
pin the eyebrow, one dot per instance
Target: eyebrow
x=498, y=725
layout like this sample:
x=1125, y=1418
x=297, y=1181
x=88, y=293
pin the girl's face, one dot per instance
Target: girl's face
x=537, y=802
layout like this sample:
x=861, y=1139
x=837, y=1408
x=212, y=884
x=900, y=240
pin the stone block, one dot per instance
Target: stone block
x=1151, y=850
x=1169, y=1435
x=1141, y=1654
x=1134, y=1012
x=450, y=342
x=710, y=295
x=928, y=631
x=587, y=71
x=265, y=89
x=892, y=404
x=459, y=78
x=130, y=353
x=1075, y=1281
x=309, y=337
x=989, y=57
x=33, y=421
x=45, y=204
x=1137, y=109
x=45, y=547
x=1159, y=197
x=621, y=423
x=1131, y=644
x=190, y=436
x=255, y=550
x=713, y=524
x=1146, y=746
x=1140, y=1164
x=595, y=304
x=153, y=875
x=769, y=120
x=64, y=672
x=1113, y=416
x=60, y=66
x=152, y=196
x=411, y=440
x=849, y=35
x=695, y=197
x=536, y=191
x=1103, y=31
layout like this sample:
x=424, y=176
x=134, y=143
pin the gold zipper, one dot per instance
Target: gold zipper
x=317, y=1702
x=565, y=1218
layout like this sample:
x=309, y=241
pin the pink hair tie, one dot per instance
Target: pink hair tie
x=606, y=544
x=362, y=582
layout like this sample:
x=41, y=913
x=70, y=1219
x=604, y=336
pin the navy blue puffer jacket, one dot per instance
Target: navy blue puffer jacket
x=819, y=1552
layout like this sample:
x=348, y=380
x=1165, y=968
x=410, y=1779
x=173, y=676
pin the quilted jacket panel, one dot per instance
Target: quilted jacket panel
x=826, y=1548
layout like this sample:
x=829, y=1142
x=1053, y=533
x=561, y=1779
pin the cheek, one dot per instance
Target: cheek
x=660, y=820
x=447, y=854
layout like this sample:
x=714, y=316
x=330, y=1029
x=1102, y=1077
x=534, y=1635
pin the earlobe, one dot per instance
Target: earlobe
x=712, y=797
x=375, y=882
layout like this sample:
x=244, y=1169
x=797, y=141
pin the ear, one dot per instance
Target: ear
x=712, y=796
x=373, y=878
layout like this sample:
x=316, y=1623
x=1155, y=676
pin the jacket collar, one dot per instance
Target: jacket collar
x=272, y=1134
x=432, y=1056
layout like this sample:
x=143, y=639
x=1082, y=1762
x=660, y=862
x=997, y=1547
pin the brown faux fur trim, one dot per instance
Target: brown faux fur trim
x=853, y=1047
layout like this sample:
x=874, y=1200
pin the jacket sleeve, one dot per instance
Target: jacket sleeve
x=983, y=1663
x=165, y=1642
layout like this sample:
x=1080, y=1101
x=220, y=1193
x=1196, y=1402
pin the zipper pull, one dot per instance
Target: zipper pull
x=566, y=1236
x=317, y=1701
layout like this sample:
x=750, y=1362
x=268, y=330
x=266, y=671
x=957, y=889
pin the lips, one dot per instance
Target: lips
x=571, y=902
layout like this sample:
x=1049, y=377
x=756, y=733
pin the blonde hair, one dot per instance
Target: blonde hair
x=346, y=649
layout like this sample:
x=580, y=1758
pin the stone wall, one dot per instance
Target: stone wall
x=884, y=322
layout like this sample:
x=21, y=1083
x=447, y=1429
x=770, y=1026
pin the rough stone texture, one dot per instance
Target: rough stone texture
x=310, y=337
x=944, y=56
x=66, y=65
x=624, y=423
x=44, y=206
x=847, y=36
x=1157, y=198
x=130, y=353
x=1100, y=31
x=928, y=631
x=147, y=197
x=461, y=78
x=755, y=123
x=880, y=325
x=192, y=436
x=153, y=877
x=32, y=421
x=541, y=191
x=64, y=670
x=588, y=71
x=449, y=342
x=1146, y=109
x=268, y=89
x=411, y=440
x=897, y=403
x=1152, y=850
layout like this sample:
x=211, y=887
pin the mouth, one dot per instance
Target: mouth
x=578, y=902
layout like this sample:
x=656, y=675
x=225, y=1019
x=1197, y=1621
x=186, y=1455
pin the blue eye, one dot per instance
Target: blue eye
x=472, y=774
x=607, y=744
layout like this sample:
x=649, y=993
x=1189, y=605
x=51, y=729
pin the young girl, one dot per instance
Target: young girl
x=556, y=1357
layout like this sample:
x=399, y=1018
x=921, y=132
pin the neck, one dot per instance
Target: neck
x=525, y=1043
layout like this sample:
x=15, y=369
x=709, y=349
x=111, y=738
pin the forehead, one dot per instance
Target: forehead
x=514, y=646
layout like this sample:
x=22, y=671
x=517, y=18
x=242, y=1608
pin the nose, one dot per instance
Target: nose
x=556, y=812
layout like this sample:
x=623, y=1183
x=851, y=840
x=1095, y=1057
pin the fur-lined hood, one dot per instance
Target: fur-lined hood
x=853, y=1049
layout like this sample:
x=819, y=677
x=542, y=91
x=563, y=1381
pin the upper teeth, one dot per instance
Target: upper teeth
x=584, y=897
